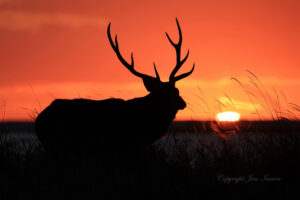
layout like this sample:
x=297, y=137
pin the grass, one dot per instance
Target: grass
x=275, y=105
x=177, y=167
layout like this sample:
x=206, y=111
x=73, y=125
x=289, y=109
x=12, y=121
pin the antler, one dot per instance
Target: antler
x=130, y=67
x=179, y=62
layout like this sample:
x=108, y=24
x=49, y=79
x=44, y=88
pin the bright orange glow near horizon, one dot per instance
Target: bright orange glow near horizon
x=59, y=49
x=228, y=116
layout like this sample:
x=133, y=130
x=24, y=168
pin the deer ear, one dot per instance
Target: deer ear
x=151, y=84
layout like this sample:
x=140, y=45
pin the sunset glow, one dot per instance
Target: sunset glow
x=228, y=116
x=59, y=49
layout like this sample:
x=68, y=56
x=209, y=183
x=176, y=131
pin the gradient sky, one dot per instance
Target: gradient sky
x=59, y=49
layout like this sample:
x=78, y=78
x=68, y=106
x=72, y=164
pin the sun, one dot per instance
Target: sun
x=228, y=116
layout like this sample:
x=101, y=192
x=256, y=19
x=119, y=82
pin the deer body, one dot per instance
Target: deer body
x=110, y=123
x=90, y=126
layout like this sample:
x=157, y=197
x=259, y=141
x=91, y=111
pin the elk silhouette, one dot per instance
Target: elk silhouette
x=83, y=125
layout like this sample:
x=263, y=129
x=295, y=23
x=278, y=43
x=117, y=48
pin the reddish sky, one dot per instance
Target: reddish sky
x=59, y=49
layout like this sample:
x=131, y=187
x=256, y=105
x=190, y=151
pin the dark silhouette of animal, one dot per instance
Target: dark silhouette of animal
x=91, y=126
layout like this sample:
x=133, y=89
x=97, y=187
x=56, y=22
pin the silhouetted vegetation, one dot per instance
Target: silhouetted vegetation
x=190, y=162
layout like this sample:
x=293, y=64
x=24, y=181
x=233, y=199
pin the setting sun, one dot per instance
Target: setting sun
x=228, y=116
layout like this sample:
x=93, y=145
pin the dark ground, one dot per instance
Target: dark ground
x=196, y=160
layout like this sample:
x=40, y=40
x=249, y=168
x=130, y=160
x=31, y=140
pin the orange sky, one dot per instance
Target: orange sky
x=59, y=49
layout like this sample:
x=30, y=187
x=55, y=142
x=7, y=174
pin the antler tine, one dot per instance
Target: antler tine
x=180, y=36
x=156, y=72
x=130, y=67
x=179, y=62
x=177, y=78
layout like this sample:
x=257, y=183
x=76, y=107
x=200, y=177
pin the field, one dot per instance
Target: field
x=194, y=160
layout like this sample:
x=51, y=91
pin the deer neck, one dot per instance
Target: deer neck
x=162, y=109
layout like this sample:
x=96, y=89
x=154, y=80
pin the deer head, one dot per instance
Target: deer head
x=165, y=91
